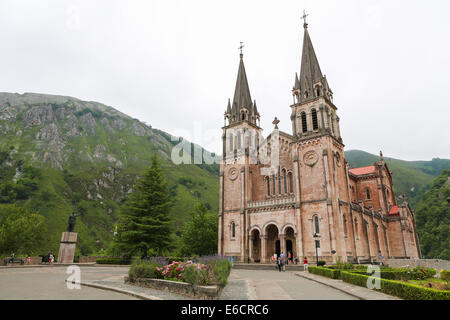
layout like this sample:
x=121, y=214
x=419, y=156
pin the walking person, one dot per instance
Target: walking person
x=50, y=257
x=29, y=259
x=380, y=257
x=305, y=264
x=279, y=264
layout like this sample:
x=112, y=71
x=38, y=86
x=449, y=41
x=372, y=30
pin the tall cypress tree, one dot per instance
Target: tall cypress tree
x=144, y=222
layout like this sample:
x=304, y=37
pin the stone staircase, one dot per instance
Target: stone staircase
x=266, y=266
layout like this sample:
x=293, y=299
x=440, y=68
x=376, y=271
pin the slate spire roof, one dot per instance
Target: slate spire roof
x=311, y=77
x=242, y=98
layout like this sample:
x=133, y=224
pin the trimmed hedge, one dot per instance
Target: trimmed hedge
x=398, y=288
x=326, y=272
x=113, y=261
x=401, y=273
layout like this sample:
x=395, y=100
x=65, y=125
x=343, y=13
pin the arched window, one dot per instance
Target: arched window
x=239, y=139
x=316, y=224
x=306, y=94
x=274, y=185
x=268, y=185
x=291, y=183
x=233, y=229
x=314, y=119
x=285, y=182
x=279, y=181
x=243, y=116
x=368, y=194
x=318, y=91
x=304, y=125
x=231, y=141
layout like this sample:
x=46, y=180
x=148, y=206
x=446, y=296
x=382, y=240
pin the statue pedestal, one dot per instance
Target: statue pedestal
x=67, y=247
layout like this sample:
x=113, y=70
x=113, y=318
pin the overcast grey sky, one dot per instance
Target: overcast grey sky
x=173, y=64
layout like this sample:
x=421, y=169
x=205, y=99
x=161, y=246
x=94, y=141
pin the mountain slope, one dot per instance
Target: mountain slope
x=410, y=177
x=433, y=219
x=89, y=156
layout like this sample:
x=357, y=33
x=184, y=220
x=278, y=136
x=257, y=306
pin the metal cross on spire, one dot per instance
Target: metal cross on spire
x=241, y=46
x=305, y=24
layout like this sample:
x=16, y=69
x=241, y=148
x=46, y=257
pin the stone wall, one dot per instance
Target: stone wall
x=427, y=263
x=199, y=292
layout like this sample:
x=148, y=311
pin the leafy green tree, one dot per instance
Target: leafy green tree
x=200, y=233
x=433, y=219
x=20, y=231
x=144, y=221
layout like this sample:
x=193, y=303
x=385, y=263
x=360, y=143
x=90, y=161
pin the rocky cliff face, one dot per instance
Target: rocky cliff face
x=56, y=124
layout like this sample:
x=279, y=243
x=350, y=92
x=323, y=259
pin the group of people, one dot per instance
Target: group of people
x=50, y=256
x=283, y=261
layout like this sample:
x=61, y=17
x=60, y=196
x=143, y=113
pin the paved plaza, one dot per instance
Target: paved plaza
x=48, y=283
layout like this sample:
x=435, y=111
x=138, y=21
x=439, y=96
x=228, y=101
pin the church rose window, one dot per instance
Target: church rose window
x=314, y=119
x=304, y=125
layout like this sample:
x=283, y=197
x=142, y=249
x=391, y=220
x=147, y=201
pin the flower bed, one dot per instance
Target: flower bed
x=209, y=271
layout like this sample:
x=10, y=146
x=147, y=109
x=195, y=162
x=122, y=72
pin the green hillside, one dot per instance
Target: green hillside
x=412, y=178
x=88, y=156
x=433, y=219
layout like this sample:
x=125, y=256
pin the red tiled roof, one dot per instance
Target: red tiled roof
x=363, y=170
x=394, y=210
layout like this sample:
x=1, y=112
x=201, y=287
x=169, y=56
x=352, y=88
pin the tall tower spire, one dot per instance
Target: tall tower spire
x=242, y=108
x=313, y=111
x=312, y=83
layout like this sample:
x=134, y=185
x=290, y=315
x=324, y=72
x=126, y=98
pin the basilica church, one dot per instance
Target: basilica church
x=309, y=200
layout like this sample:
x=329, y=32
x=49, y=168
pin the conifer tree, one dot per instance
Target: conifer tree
x=144, y=222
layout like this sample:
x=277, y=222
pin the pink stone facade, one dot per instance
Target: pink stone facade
x=311, y=190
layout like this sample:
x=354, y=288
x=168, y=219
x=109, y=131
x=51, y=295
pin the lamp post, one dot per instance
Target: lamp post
x=316, y=239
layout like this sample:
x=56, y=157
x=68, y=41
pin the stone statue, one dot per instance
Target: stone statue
x=72, y=220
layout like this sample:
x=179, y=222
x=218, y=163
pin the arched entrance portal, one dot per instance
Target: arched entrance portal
x=255, y=242
x=272, y=239
x=290, y=242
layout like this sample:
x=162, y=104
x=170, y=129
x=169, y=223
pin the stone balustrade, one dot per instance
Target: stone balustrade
x=271, y=202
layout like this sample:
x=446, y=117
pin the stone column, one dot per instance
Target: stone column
x=250, y=248
x=220, y=240
x=263, y=249
x=283, y=244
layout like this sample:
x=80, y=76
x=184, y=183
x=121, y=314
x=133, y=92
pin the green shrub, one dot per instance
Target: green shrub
x=193, y=275
x=398, y=288
x=321, y=263
x=445, y=275
x=221, y=270
x=121, y=261
x=326, y=272
x=144, y=270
